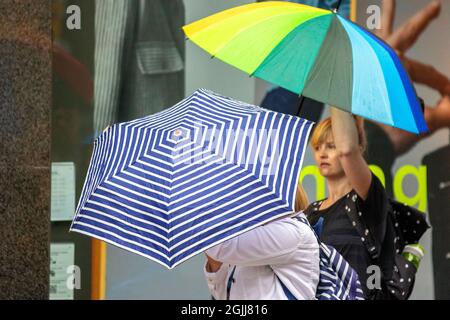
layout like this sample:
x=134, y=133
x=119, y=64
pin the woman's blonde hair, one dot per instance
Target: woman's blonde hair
x=323, y=131
x=301, y=199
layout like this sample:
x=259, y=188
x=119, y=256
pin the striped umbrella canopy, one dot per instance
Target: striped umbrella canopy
x=175, y=183
x=315, y=53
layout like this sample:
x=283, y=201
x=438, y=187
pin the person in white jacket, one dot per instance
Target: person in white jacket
x=257, y=264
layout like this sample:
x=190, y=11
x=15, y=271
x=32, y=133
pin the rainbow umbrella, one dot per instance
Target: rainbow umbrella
x=315, y=53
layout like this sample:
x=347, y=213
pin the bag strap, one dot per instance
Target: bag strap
x=230, y=282
x=358, y=223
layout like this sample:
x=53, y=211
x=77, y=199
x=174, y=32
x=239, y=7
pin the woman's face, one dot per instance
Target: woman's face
x=327, y=159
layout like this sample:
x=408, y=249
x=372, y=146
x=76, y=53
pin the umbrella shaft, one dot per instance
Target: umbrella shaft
x=300, y=105
x=338, y=5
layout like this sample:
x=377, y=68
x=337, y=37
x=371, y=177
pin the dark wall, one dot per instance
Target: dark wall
x=25, y=104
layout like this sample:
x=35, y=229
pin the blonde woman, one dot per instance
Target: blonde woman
x=353, y=191
x=262, y=263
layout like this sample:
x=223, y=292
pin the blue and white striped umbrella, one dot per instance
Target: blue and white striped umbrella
x=171, y=185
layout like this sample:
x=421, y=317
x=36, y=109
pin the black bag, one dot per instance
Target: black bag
x=405, y=225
